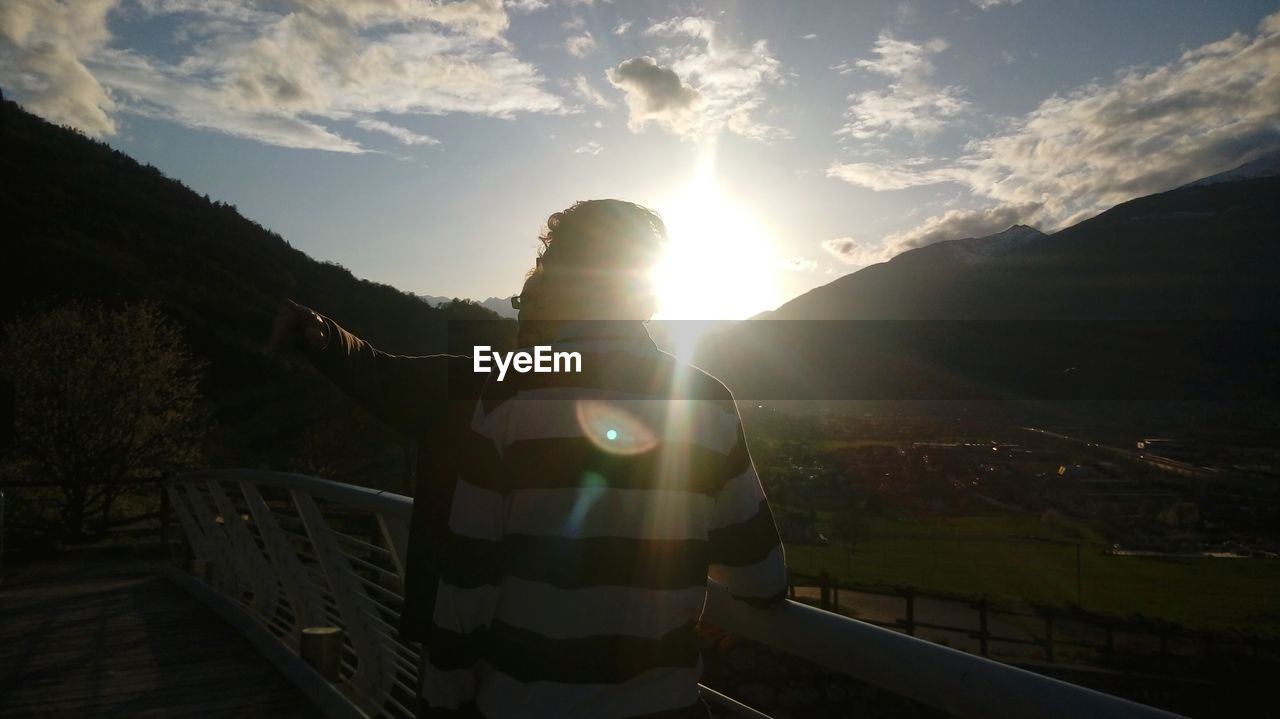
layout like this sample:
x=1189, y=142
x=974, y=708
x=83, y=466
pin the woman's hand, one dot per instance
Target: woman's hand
x=292, y=318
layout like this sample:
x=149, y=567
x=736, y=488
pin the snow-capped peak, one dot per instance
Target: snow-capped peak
x=973, y=250
x=1267, y=165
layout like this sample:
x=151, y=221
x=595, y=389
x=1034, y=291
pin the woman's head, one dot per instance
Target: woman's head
x=596, y=262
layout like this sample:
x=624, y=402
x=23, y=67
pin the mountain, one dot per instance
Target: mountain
x=1173, y=296
x=500, y=306
x=887, y=289
x=1267, y=165
x=972, y=250
x=1202, y=251
x=85, y=221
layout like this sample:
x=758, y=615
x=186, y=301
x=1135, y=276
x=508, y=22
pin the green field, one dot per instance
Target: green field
x=997, y=556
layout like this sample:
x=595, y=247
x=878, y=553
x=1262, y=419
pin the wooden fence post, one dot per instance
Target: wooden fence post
x=321, y=647
x=1048, y=636
x=824, y=590
x=1111, y=645
x=164, y=517
x=982, y=625
x=911, y=611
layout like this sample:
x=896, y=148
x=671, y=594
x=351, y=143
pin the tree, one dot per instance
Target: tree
x=102, y=399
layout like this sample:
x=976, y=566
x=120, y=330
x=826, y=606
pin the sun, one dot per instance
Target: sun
x=720, y=263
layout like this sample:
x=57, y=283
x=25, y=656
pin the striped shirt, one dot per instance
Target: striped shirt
x=584, y=523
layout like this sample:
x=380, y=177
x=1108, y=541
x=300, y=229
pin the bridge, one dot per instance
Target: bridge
x=290, y=608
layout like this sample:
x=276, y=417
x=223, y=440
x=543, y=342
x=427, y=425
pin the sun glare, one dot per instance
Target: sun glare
x=720, y=264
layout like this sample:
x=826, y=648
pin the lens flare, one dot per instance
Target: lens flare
x=614, y=429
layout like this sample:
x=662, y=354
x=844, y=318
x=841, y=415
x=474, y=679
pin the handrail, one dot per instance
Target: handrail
x=289, y=579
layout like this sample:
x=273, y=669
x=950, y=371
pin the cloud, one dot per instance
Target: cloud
x=585, y=90
x=42, y=48
x=525, y=7
x=900, y=59
x=402, y=134
x=290, y=74
x=891, y=176
x=799, y=264
x=988, y=4
x=580, y=45
x=656, y=93
x=622, y=28
x=912, y=102
x=1147, y=130
x=590, y=147
x=951, y=225
x=731, y=78
x=853, y=252
x=810, y=36
x=957, y=224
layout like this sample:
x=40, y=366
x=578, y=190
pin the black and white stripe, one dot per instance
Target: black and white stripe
x=574, y=568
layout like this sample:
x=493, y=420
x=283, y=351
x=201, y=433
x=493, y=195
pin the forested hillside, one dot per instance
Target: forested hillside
x=84, y=221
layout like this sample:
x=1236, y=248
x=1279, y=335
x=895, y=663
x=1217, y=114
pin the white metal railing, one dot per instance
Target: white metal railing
x=294, y=551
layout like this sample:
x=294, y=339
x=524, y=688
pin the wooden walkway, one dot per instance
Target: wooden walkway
x=97, y=634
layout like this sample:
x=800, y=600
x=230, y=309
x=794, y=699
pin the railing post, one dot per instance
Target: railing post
x=257, y=573
x=397, y=535
x=824, y=590
x=374, y=673
x=321, y=647
x=305, y=601
x=208, y=540
x=911, y=611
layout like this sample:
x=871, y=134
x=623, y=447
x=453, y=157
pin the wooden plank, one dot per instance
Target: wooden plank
x=101, y=635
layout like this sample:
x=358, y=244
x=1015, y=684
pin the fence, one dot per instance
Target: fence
x=1050, y=633
x=281, y=553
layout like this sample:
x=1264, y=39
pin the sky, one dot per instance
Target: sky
x=424, y=144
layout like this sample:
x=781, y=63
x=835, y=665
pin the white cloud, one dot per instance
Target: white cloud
x=656, y=93
x=988, y=4
x=402, y=134
x=912, y=102
x=732, y=79
x=622, y=28
x=285, y=74
x=525, y=7
x=901, y=59
x=799, y=264
x=591, y=147
x=580, y=45
x=879, y=113
x=957, y=224
x=890, y=176
x=587, y=92
x=853, y=252
x=42, y=51
x=1147, y=130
